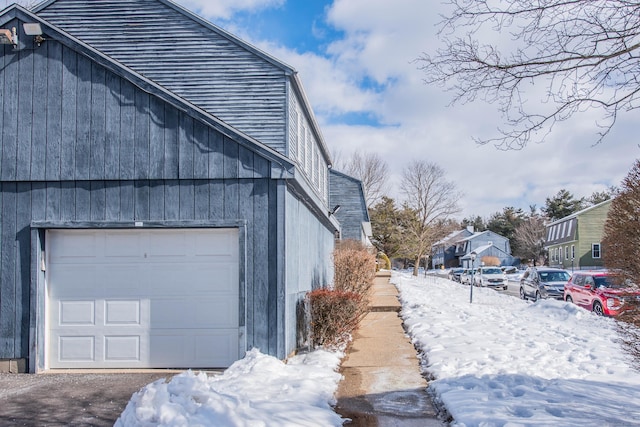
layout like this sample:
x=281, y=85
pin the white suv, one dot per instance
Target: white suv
x=491, y=277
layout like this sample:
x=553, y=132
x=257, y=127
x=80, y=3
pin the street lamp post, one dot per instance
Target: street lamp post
x=473, y=263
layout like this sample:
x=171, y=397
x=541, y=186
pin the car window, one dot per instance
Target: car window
x=608, y=282
x=578, y=280
x=554, y=276
x=588, y=281
x=491, y=271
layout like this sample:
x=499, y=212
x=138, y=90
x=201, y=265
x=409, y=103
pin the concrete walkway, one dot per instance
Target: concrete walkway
x=382, y=383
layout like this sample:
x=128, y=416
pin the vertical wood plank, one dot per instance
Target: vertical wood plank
x=171, y=137
x=10, y=120
x=231, y=199
x=201, y=196
x=67, y=200
x=83, y=119
x=231, y=155
x=8, y=273
x=23, y=267
x=113, y=99
x=156, y=138
x=141, y=197
x=53, y=202
x=3, y=50
x=186, y=147
x=98, y=201
x=38, y=201
x=127, y=126
x=112, y=201
x=201, y=150
x=216, y=199
x=24, y=111
x=69, y=99
x=54, y=111
x=187, y=200
x=245, y=163
x=276, y=295
x=142, y=135
x=127, y=200
x=252, y=265
x=157, y=203
x=98, y=114
x=172, y=200
x=216, y=155
x=83, y=201
x=39, y=131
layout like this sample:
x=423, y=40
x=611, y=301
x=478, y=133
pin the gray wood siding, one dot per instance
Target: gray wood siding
x=128, y=201
x=347, y=192
x=98, y=149
x=95, y=125
x=202, y=66
x=309, y=247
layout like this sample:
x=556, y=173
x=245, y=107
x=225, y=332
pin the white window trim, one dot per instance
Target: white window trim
x=593, y=252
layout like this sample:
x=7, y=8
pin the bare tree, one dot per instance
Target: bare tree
x=433, y=200
x=529, y=240
x=584, y=53
x=373, y=171
x=621, y=242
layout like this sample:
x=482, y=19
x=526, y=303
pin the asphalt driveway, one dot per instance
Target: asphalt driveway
x=62, y=399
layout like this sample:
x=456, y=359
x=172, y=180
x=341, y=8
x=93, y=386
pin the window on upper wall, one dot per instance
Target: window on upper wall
x=573, y=252
x=566, y=252
x=293, y=134
x=595, y=250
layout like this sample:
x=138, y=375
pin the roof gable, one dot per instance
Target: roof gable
x=281, y=166
x=189, y=56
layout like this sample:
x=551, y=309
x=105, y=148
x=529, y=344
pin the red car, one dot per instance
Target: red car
x=600, y=292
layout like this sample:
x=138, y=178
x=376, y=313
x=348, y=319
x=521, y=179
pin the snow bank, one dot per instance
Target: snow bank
x=257, y=391
x=505, y=362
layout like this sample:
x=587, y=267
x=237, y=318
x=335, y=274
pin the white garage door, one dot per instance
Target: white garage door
x=154, y=298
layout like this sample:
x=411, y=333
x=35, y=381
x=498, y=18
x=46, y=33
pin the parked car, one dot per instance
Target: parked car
x=543, y=282
x=490, y=277
x=465, y=276
x=454, y=274
x=600, y=292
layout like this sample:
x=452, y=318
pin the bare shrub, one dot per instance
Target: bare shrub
x=355, y=268
x=334, y=316
x=491, y=261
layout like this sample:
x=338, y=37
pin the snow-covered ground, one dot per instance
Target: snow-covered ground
x=496, y=362
x=257, y=391
x=500, y=361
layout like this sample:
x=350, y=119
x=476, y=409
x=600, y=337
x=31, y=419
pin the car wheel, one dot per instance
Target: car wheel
x=569, y=299
x=522, y=294
x=597, y=309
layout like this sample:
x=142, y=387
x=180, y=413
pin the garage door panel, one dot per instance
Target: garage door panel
x=75, y=313
x=166, y=310
x=79, y=246
x=122, y=245
x=197, y=349
x=122, y=312
x=122, y=348
x=74, y=349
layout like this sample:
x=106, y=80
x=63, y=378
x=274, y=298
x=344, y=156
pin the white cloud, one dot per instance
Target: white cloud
x=226, y=8
x=381, y=40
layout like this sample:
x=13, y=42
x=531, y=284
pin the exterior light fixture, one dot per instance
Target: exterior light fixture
x=9, y=36
x=335, y=210
x=34, y=29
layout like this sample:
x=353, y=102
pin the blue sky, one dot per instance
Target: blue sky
x=356, y=59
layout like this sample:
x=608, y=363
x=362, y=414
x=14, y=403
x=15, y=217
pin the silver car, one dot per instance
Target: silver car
x=543, y=282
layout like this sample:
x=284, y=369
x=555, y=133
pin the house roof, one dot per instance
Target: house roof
x=480, y=233
x=451, y=237
x=480, y=249
x=193, y=54
x=576, y=214
x=286, y=166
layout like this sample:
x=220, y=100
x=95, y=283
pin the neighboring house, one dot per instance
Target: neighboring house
x=348, y=204
x=443, y=252
x=484, y=244
x=575, y=241
x=164, y=191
